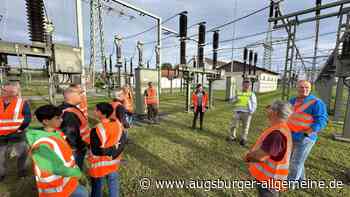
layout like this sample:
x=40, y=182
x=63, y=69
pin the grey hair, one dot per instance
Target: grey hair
x=13, y=84
x=283, y=109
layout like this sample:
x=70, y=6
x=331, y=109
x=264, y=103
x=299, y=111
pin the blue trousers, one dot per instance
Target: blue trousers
x=113, y=185
x=300, y=152
x=80, y=192
x=129, y=119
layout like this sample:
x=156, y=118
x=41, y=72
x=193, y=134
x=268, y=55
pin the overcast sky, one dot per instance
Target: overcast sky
x=13, y=26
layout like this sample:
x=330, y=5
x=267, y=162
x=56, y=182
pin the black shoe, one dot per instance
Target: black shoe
x=129, y=141
x=243, y=142
x=231, y=140
x=2, y=178
x=22, y=174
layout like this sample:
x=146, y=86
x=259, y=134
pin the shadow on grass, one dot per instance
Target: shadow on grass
x=164, y=169
x=205, y=131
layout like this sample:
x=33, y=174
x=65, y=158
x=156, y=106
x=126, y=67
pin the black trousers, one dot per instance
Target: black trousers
x=201, y=117
x=152, y=111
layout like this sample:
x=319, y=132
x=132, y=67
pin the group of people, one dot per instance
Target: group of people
x=281, y=150
x=65, y=142
x=64, y=145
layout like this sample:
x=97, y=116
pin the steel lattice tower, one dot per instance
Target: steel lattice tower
x=267, y=59
x=97, y=51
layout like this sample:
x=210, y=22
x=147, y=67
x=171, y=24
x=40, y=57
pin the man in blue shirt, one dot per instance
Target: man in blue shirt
x=308, y=119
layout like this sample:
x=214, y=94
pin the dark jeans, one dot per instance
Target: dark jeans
x=113, y=185
x=21, y=149
x=79, y=156
x=264, y=192
x=201, y=117
x=152, y=112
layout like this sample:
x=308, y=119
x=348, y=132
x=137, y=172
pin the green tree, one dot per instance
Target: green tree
x=166, y=66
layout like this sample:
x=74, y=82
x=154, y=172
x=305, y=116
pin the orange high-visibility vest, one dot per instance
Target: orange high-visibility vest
x=151, y=97
x=115, y=104
x=300, y=121
x=270, y=170
x=51, y=185
x=84, y=124
x=84, y=106
x=195, y=101
x=129, y=101
x=109, y=133
x=11, y=118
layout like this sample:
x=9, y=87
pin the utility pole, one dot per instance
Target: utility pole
x=234, y=33
x=318, y=12
x=80, y=30
x=267, y=59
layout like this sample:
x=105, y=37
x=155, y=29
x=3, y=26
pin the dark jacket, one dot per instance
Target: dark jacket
x=112, y=151
x=120, y=113
x=70, y=127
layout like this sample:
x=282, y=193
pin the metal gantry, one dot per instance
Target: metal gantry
x=290, y=21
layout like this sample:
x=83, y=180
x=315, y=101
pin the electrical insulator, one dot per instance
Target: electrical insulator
x=201, y=35
x=131, y=67
x=250, y=60
x=245, y=54
x=255, y=58
x=276, y=13
x=318, y=3
x=271, y=9
x=346, y=47
x=183, y=52
x=255, y=62
x=183, y=25
x=216, y=40
x=200, y=57
x=250, y=56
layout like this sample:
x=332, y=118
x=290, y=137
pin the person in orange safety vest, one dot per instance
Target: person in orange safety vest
x=108, y=134
x=309, y=117
x=151, y=101
x=268, y=159
x=199, y=102
x=55, y=170
x=75, y=124
x=128, y=102
x=15, y=117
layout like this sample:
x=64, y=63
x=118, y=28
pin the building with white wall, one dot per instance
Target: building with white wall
x=267, y=80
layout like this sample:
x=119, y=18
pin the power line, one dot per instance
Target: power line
x=149, y=29
x=154, y=41
x=236, y=20
x=228, y=40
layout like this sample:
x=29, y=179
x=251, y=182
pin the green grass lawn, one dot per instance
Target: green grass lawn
x=172, y=151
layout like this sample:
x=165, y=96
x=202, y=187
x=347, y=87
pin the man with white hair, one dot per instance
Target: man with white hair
x=15, y=117
x=268, y=160
x=75, y=124
x=308, y=119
